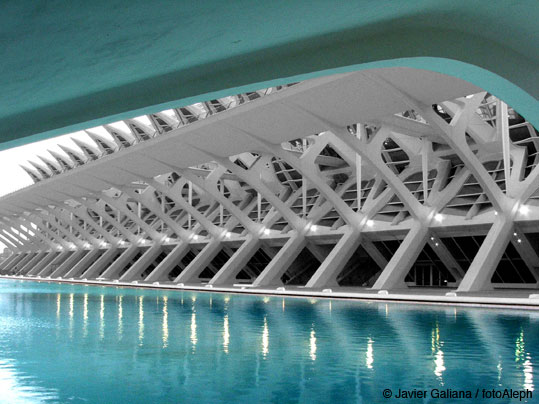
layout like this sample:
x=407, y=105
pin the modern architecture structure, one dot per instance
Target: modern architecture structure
x=380, y=180
x=408, y=173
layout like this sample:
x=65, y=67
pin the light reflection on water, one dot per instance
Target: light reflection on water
x=67, y=343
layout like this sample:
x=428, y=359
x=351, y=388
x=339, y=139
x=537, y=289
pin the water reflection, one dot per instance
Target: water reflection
x=265, y=338
x=58, y=304
x=369, y=356
x=194, y=338
x=85, y=316
x=436, y=349
x=226, y=334
x=71, y=308
x=165, y=321
x=521, y=356
x=120, y=318
x=318, y=350
x=312, y=345
x=141, y=321
x=14, y=386
x=528, y=374
x=102, y=318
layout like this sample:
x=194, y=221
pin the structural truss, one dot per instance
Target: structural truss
x=381, y=180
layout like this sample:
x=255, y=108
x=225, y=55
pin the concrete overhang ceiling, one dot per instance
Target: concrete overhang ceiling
x=282, y=116
x=70, y=66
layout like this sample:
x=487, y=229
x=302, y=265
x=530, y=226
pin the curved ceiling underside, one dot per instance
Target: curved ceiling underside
x=67, y=68
x=295, y=112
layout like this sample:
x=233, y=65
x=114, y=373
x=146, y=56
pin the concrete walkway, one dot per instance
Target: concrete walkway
x=514, y=299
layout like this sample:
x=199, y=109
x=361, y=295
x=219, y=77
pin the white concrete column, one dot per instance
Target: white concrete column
x=11, y=241
x=200, y=262
x=120, y=204
x=68, y=263
x=57, y=261
x=30, y=264
x=399, y=265
x=487, y=258
x=27, y=258
x=447, y=259
x=141, y=264
x=54, y=220
x=374, y=252
x=227, y=274
x=527, y=253
x=361, y=134
x=281, y=262
x=82, y=214
x=171, y=260
x=97, y=208
x=326, y=274
x=502, y=131
x=6, y=264
x=17, y=258
x=98, y=266
x=43, y=263
x=80, y=266
x=119, y=263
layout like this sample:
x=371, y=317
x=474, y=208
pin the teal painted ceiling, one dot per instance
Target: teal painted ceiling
x=72, y=65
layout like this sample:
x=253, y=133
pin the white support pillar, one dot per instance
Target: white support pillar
x=393, y=275
x=258, y=207
x=53, y=218
x=487, y=258
x=114, y=269
x=527, y=253
x=10, y=240
x=502, y=129
x=141, y=264
x=221, y=208
x=82, y=214
x=15, y=262
x=446, y=257
x=190, y=202
x=320, y=252
x=98, y=208
x=80, y=266
x=218, y=194
x=68, y=263
x=374, y=252
x=425, y=168
x=98, y=266
x=15, y=236
x=27, y=258
x=200, y=262
x=326, y=274
x=6, y=265
x=48, y=232
x=143, y=227
x=304, y=186
x=227, y=274
x=40, y=233
x=34, y=261
x=361, y=134
x=281, y=262
x=171, y=260
x=43, y=263
x=54, y=264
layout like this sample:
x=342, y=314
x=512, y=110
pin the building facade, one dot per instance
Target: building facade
x=391, y=179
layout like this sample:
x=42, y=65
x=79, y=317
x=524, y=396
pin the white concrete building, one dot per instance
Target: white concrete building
x=393, y=183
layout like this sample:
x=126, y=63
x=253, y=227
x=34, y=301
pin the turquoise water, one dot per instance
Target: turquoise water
x=84, y=344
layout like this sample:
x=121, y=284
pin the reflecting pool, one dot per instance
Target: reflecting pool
x=73, y=343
